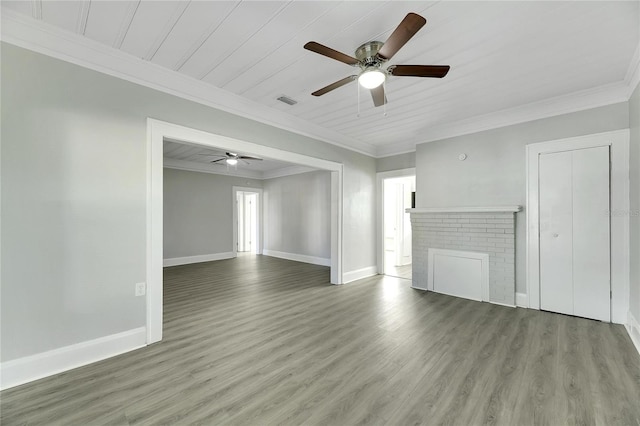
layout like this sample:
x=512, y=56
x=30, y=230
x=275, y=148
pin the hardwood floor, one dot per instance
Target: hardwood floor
x=404, y=271
x=392, y=270
x=260, y=341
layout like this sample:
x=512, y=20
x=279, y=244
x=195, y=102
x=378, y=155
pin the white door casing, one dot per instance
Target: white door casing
x=157, y=131
x=237, y=192
x=618, y=143
x=380, y=234
x=398, y=238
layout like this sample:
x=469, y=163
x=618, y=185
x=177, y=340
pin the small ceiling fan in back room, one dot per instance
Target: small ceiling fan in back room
x=371, y=56
x=232, y=158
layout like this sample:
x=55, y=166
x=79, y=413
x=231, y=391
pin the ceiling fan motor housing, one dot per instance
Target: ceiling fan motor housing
x=371, y=56
x=367, y=54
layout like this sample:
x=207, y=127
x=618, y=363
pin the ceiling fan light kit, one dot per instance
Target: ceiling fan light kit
x=370, y=57
x=371, y=78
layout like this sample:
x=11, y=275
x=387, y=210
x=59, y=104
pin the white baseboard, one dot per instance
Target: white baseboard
x=633, y=328
x=358, y=274
x=522, y=301
x=23, y=370
x=175, y=261
x=298, y=257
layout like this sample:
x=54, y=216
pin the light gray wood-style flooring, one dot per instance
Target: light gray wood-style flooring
x=260, y=341
x=399, y=271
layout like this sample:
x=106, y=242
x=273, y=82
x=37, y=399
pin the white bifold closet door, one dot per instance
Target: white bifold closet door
x=574, y=233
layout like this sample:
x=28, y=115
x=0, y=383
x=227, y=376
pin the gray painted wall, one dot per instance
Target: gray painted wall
x=297, y=214
x=494, y=172
x=198, y=210
x=74, y=197
x=396, y=162
x=634, y=188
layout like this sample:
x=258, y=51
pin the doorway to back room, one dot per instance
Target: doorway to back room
x=397, y=196
x=247, y=222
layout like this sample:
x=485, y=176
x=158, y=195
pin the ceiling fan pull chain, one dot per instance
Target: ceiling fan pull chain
x=384, y=99
x=358, y=88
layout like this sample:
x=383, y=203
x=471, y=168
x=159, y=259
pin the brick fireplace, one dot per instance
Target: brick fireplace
x=489, y=230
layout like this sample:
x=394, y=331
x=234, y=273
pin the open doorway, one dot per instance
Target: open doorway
x=157, y=133
x=395, y=191
x=247, y=223
x=397, y=194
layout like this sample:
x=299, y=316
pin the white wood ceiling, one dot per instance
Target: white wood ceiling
x=502, y=54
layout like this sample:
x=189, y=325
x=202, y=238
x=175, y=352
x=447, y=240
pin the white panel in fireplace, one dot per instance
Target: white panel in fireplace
x=459, y=273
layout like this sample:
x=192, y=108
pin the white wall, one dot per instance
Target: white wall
x=634, y=187
x=297, y=214
x=74, y=197
x=396, y=162
x=198, y=209
x=494, y=171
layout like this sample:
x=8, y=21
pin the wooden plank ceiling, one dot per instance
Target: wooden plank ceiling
x=502, y=54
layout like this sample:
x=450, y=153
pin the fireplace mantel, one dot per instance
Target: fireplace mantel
x=487, y=209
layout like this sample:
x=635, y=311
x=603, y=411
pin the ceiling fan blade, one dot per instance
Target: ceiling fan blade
x=217, y=161
x=437, y=71
x=409, y=26
x=333, y=86
x=378, y=95
x=248, y=157
x=330, y=53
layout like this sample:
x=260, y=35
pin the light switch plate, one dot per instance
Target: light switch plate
x=141, y=289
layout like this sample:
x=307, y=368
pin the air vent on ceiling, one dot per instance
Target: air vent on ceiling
x=287, y=100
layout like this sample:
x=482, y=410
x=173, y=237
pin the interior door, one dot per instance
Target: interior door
x=399, y=228
x=251, y=212
x=241, y=227
x=575, y=233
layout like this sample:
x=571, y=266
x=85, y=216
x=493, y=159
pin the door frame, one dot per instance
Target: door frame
x=380, y=177
x=157, y=131
x=618, y=143
x=234, y=194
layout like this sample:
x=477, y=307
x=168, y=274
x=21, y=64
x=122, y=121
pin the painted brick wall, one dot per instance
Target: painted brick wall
x=491, y=233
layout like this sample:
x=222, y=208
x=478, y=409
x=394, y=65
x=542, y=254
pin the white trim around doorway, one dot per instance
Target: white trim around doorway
x=260, y=232
x=157, y=131
x=380, y=177
x=618, y=141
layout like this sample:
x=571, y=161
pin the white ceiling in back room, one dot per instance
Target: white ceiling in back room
x=503, y=55
x=187, y=156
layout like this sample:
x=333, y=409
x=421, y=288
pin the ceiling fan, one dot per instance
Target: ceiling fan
x=232, y=158
x=371, y=56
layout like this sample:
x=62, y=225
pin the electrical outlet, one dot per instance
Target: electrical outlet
x=141, y=289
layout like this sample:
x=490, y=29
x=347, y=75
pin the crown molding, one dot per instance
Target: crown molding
x=632, y=78
x=573, y=102
x=395, y=149
x=38, y=36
